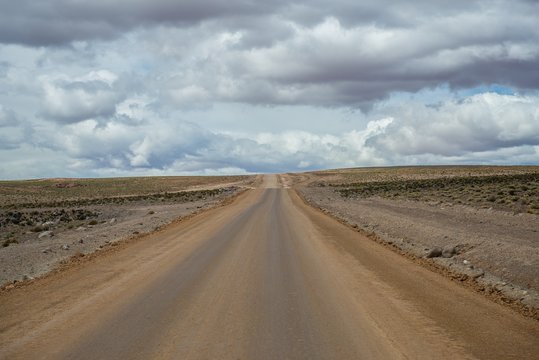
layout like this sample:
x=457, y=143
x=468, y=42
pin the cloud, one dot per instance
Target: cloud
x=455, y=129
x=313, y=53
x=71, y=100
x=131, y=87
x=482, y=122
x=484, y=128
x=330, y=64
x=7, y=117
x=58, y=22
x=12, y=132
x=4, y=66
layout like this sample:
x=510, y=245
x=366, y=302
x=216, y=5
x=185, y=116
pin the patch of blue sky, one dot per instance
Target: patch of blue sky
x=433, y=96
x=427, y=96
x=492, y=88
x=143, y=67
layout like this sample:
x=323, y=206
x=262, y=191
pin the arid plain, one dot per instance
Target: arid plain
x=353, y=263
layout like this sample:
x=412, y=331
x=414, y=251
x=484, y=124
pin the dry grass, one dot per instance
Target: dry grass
x=74, y=192
x=509, y=188
x=34, y=206
x=517, y=193
x=361, y=175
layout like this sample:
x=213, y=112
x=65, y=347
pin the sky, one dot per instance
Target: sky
x=131, y=87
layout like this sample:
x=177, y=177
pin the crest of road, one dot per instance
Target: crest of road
x=265, y=277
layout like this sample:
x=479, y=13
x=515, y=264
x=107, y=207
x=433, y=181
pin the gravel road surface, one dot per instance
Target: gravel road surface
x=266, y=277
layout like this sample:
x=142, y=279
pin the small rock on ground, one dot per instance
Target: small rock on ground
x=449, y=251
x=45, y=234
x=434, y=252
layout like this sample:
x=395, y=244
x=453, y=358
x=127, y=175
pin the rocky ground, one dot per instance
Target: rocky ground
x=494, y=250
x=37, y=239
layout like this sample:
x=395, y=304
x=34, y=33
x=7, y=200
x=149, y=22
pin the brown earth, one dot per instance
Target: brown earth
x=37, y=240
x=497, y=250
x=266, y=277
x=54, y=192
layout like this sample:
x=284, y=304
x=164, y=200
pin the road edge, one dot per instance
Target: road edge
x=463, y=280
x=79, y=259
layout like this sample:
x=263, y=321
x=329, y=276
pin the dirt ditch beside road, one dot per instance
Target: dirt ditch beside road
x=488, y=248
x=36, y=238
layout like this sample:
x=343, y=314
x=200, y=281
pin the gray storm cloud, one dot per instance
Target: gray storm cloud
x=59, y=22
x=165, y=87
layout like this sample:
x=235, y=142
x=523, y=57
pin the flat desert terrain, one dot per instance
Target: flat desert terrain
x=48, y=223
x=344, y=264
x=477, y=225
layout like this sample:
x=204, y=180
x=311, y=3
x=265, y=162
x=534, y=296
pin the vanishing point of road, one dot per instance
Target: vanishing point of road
x=265, y=277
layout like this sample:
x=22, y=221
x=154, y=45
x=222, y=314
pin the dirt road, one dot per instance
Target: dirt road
x=266, y=277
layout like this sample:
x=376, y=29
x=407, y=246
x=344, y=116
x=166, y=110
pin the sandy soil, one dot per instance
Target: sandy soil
x=266, y=277
x=497, y=250
x=97, y=227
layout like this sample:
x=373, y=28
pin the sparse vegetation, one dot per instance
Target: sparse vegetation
x=180, y=196
x=523, y=195
x=9, y=239
x=38, y=228
x=375, y=174
x=78, y=192
x=43, y=219
x=28, y=209
x=8, y=242
x=52, y=219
